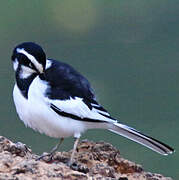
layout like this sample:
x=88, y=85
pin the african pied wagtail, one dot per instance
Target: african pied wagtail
x=53, y=98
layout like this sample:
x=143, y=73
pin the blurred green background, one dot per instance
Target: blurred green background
x=127, y=49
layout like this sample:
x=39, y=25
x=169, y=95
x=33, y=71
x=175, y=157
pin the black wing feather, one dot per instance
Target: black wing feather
x=66, y=82
x=72, y=116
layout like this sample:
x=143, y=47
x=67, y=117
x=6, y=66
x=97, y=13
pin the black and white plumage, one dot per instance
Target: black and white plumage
x=53, y=98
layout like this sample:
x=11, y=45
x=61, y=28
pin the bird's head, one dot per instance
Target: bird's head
x=28, y=58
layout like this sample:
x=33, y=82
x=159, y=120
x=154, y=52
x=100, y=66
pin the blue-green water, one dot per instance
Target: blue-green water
x=127, y=49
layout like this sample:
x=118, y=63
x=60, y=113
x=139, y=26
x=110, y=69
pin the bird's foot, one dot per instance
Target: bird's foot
x=78, y=167
x=71, y=163
x=48, y=157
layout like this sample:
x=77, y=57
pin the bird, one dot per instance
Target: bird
x=51, y=97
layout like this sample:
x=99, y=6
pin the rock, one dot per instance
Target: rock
x=92, y=161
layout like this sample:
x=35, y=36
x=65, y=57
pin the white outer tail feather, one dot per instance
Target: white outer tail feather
x=140, y=138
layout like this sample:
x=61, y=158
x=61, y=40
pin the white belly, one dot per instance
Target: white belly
x=36, y=113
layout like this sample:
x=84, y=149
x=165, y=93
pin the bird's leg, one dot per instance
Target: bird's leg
x=57, y=146
x=52, y=151
x=74, y=150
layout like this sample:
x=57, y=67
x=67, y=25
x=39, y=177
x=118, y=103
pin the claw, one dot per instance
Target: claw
x=50, y=155
x=52, y=152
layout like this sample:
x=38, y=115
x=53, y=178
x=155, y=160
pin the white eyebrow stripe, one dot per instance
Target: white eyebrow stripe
x=31, y=58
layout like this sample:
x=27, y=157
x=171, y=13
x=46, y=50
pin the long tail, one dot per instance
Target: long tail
x=140, y=138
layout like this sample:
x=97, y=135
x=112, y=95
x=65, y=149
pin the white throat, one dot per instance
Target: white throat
x=25, y=72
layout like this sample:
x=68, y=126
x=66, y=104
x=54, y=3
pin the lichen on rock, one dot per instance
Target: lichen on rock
x=93, y=160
